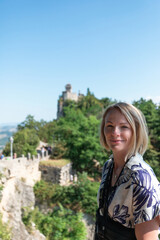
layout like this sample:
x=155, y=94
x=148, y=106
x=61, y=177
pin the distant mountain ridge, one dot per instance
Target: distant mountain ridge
x=6, y=131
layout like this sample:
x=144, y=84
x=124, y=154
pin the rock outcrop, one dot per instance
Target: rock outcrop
x=90, y=226
x=18, y=177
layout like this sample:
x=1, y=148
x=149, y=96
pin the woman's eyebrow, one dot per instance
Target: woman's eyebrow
x=119, y=123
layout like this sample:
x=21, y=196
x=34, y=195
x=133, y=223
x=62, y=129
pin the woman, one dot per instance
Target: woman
x=129, y=193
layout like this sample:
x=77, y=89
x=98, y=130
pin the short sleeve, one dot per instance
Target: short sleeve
x=146, y=196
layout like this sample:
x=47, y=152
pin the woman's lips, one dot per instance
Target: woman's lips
x=116, y=141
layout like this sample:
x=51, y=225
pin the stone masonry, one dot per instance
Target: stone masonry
x=59, y=175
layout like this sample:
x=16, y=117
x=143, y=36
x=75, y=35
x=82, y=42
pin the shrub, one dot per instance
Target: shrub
x=5, y=232
x=60, y=224
x=81, y=196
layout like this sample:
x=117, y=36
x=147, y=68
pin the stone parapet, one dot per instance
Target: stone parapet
x=22, y=168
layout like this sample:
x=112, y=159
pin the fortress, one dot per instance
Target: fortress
x=66, y=95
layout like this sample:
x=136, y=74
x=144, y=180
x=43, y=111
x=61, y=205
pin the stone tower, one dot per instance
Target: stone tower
x=66, y=95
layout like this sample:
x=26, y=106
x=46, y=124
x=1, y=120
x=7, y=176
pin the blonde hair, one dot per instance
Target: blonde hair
x=138, y=124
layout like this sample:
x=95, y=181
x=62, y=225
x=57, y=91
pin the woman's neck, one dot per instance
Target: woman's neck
x=119, y=161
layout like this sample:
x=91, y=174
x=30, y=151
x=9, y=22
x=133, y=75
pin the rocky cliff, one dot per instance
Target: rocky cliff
x=18, y=177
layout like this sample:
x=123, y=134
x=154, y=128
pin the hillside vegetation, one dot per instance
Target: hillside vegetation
x=75, y=136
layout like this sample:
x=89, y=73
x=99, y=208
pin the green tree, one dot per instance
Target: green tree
x=90, y=105
x=149, y=110
x=31, y=123
x=80, y=196
x=157, y=131
x=43, y=129
x=80, y=135
x=152, y=115
x=46, y=132
x=151, y=156
x=106, y=102
x=25, y=141
x=59, y=224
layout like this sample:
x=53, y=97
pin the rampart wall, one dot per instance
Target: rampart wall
x=22, y=168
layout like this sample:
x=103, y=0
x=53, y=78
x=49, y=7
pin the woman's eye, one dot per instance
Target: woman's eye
x=124, y=127
x=109, y=126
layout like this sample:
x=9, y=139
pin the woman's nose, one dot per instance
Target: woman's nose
x=116, y=130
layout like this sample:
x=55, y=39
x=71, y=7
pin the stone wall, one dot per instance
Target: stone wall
x=22, y=168
x=59, y=175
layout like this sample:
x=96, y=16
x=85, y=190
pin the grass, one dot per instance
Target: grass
x=55, y=163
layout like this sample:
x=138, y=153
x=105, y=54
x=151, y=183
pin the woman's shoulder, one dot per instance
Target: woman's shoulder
x=141, y=170
x=136, y=162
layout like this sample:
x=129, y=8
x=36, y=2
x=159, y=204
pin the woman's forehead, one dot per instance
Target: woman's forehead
x=115, y=114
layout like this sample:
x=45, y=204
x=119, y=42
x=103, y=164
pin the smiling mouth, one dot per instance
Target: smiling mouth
x=116, y=141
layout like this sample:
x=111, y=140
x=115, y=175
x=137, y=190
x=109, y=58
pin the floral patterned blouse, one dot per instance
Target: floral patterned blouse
x=135, y=197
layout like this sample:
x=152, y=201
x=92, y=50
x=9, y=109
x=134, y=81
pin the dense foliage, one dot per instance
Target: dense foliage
x=25, y=141
x=81, y=196
x=76, y=135
x=59, y=224
x=80, y=137
x=64, y=223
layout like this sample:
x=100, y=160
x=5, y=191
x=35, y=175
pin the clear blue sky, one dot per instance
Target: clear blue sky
x=111, y=47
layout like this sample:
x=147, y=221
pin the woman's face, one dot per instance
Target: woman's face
x=117, y=131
